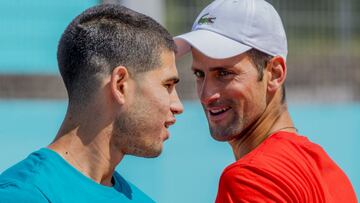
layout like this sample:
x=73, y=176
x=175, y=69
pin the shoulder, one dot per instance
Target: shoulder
x=241, y=183
x=26, y=170
x=246, y=182
x=268, y=172
x=18, y=183
x=278, y=152
x=276, y=155
x=14, y=191
x=246, y=177
x=280, y=169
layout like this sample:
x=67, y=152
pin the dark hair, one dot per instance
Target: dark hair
x=104, y=37
x=260, y=60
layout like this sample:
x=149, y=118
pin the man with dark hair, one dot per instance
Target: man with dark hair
x=239, y=51
x=119, y=70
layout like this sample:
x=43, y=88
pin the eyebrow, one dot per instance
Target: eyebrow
x=211, y=69
x=194, y=68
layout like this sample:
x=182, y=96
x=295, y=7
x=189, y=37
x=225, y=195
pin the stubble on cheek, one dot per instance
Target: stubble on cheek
x=136, y=131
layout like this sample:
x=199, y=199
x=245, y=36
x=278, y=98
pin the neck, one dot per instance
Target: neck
x=274, y=118
x=87, y=147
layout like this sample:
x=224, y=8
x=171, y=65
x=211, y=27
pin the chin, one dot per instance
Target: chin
x=229, y=130
x=223, y=135
x=222, y=138
x=152, y=154
x=147, y=151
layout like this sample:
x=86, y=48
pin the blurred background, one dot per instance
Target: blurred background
x=323, y=89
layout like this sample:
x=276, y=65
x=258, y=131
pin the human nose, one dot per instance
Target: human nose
x=176, y=106
x=207, y=91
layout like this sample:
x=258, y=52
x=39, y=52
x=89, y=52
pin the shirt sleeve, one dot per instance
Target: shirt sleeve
x=250, y=184
x=11, y=192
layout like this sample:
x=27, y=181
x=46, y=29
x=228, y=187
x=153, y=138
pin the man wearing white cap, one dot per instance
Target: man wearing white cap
x=239, y=51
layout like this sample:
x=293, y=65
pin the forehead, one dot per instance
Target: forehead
x=202, y=61
x=167, y=68
x=167, y=61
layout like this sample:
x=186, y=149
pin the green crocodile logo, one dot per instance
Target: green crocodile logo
x=206, y=19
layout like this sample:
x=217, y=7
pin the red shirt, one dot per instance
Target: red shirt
x=285, y=168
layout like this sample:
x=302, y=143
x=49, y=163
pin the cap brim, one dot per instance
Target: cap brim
x=209, y=43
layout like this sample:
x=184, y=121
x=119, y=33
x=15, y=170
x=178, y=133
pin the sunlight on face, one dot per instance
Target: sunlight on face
x=144, y=126
x=230, y=93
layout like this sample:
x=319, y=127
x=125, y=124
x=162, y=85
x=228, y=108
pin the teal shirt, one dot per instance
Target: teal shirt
x=44, y=176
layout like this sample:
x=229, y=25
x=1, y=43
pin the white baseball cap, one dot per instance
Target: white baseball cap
x=227, y=28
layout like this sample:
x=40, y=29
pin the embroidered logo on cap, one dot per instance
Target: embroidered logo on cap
x=206, y=19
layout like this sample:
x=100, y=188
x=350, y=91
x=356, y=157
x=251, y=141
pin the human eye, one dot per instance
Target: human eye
x=169, y=86
x=198, y=74
x=224, y=73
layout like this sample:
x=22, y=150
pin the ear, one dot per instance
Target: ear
x=276, y=69
x=119, y=79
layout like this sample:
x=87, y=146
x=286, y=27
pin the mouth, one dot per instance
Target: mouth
x=217, y=113
x=169, y=123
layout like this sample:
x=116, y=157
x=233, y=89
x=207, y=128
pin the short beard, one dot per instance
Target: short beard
x=130, y=131
x=229, y=132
